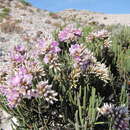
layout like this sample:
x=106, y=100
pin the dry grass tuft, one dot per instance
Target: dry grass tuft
x=10, y=27
x=4, y=13
x=54, y=15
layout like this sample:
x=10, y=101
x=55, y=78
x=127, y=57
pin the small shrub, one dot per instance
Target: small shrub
x=57, y=24
x=93, y=23
x=4, y=13
x=38, y=10
x=54, y=15
x=48, y=21
x=10, y=27
x=105, y=18
x=6, y=10
x=18, y=21
x=31, y=10
x=121, y=35
x=24, y=2
x=76, y=80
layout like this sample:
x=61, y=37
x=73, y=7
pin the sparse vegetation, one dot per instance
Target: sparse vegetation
x=105, y=18
x=24, y=2
x=48, y=21
x=4, y=13
x=6, y=10
x=54, y=15
x=74, y=78
x=10, y=27
x=56, y=24
x=78, y=82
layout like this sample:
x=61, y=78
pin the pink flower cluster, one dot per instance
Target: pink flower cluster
x=82, y=57
x=101, y=34
x=18, y=55
x=69, y=34
x=49, y=50
x=17, y=86
x=21, y=76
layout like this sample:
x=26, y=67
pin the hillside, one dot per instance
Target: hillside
x=18, y=20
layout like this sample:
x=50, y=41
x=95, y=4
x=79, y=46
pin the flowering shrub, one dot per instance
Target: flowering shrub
x=101, y=35
x=69, y=34
x=24, y=70
x=119, y=115
x=82, y=57
x=50, y=85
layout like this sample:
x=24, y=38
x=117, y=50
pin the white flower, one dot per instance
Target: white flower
x=106, y=109
x=101, y=71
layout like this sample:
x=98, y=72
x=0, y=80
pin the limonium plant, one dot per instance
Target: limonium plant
x=60, y=83
x=23, y=70
x=119, y=115
x=69, y=34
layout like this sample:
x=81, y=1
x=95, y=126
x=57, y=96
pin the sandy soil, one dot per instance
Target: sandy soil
x=108, y=19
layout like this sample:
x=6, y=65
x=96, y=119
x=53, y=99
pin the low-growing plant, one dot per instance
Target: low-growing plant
x=24, y=2
x=48, y=21
x=56, y=24
x=54, y=15
x=6, y=10
x=75, y=80
x=4, y=13
x=10, y=27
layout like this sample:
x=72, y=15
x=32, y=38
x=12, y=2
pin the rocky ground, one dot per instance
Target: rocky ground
x=21, y=22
